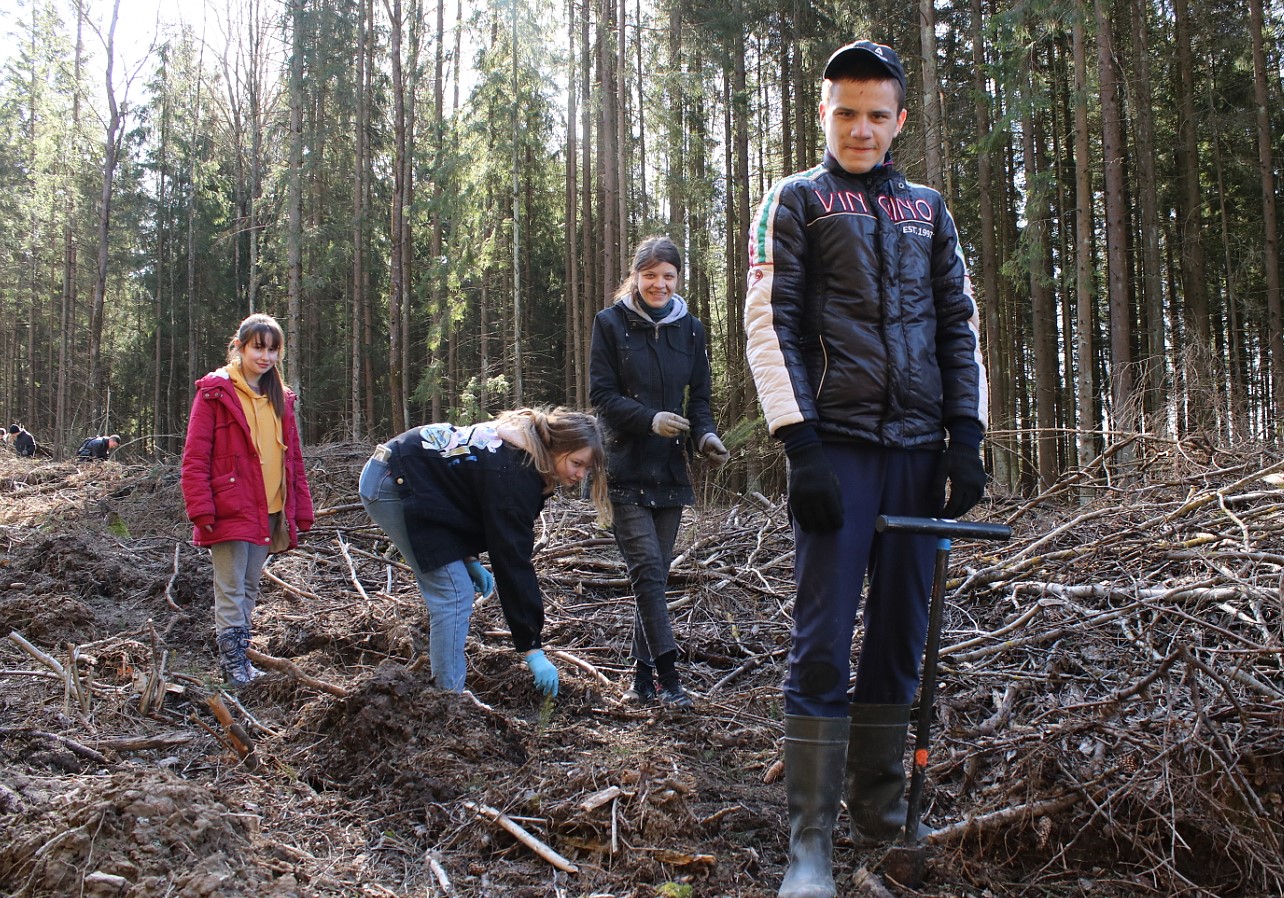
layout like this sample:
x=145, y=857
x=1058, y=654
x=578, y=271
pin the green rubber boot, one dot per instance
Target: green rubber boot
x=875, y=782
x=814, y=751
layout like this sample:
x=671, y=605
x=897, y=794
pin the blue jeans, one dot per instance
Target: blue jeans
x=830, y=570
x=646, y=537
x=447, y=591
x=238, y=566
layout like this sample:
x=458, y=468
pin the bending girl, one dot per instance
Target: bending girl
x=444, y=494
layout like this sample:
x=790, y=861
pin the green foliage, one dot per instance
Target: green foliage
x=674, y=890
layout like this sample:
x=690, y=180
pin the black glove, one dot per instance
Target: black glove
x=815, y=499
x=961, y=467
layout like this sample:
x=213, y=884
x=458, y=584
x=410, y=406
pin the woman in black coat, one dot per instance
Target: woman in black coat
x=649, y=384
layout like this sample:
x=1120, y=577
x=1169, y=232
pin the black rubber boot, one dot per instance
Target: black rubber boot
x=814, y=751
x=875, y=782
x=232, y=660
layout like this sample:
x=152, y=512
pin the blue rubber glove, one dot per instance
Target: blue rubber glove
x=483, y=582
x=544, y=671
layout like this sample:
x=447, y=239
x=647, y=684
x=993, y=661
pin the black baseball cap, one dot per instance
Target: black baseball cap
x=849, y=55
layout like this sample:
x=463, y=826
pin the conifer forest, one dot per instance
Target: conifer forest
x=435, y=197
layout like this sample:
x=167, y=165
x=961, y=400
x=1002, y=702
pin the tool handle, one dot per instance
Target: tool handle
x=927, y=694
x=946, y=527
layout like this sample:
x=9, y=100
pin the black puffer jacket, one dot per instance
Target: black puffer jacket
x=638, y=368
x=859, y=317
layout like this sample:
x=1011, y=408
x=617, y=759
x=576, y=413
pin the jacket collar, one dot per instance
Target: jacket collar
x=874, y=178
x=678, y=311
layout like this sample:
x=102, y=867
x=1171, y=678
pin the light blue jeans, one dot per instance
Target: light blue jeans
x=237, y=568
x=447, y=590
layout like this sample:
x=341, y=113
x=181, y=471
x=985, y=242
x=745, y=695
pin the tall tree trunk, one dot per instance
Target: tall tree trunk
x=69, y=280
x=441, y=332
x=294, y=232
x=1042, y=304
x=677, y=133
x=359, y=336
x=577, y=374
x=935, y=170
x=997, y=358
x=519, y=387
x=1198, y=367
x=111, y=150
x=1270, y=247
x=1240, y=420
x=1085, y=292
x=622, y=133
x=1112, y=145
x=396, y=235
x=608, y=154
x=1148, y=193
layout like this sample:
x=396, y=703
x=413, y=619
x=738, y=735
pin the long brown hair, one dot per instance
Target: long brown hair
x=263, y=329
x=552, y=432
x=650, y=252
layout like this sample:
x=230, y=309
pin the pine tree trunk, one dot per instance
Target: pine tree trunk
x=1112, y=145
x=1270, y=243
x=1085, y=292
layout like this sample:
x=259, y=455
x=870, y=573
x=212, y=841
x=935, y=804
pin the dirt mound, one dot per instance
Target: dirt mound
x=398, y=737
x=122, y=834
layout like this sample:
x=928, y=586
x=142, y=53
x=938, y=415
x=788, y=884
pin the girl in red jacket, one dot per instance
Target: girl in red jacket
x=243, y=480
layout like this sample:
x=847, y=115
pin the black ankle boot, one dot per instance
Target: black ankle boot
x=671, y=695
x=643, y=690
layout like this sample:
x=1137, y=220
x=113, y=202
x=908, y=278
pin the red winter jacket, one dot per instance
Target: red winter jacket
x=222, y=479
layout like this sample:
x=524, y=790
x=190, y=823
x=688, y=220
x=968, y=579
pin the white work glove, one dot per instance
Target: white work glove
x=667, y=424
x=711, y=448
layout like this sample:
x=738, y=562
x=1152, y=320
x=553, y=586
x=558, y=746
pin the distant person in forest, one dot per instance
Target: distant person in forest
x=862, y=336
x=243, y=480
x=23, y=442
x=444, y=494
x=649, y=384
x=98, y=448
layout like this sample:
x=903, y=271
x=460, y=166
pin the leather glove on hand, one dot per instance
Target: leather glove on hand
x=483, y=582
x=544, y=672
x=667, y=424
x=815, y=499
x=711, y=448
x=962, y=468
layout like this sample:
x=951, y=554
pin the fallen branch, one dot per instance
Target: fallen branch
x=506, y=823
x=240, y=740
x=975, y=825
x=71, y=745
x=143, y=743
x=169, y=587
x=301, y=593
x=352, y=568
x=582, y=665
x=45, y=659
x=439, y=872
x=293, y=670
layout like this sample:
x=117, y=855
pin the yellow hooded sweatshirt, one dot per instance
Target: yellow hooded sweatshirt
x=265, y=427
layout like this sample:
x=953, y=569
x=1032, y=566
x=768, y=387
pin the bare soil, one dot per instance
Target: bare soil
x=1110, y=709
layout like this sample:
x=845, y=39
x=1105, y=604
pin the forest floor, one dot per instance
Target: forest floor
x=1109, y=717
